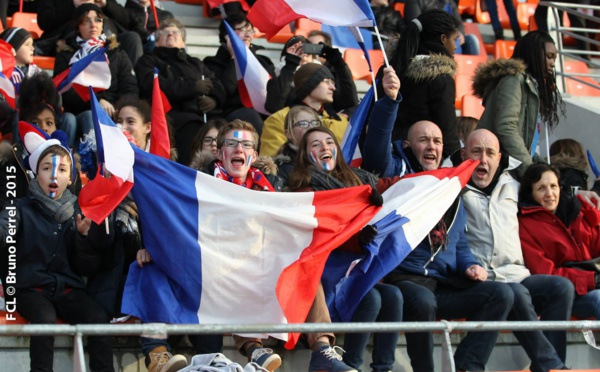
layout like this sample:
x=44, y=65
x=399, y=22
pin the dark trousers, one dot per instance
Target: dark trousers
x=74, y=307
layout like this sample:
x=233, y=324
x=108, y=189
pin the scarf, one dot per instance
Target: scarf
x=255, y=179
x=321, y=180
x=87, y=47
x=60, y=209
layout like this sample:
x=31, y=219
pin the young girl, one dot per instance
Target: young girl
x=518, y=94
x=55, y=246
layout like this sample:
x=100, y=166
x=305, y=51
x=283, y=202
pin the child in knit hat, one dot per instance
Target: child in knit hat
x=22, y=42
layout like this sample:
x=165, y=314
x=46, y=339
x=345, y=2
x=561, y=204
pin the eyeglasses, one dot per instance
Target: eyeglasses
x=329, y=81
x=209, y=140
x=245, y=30
x=230, y=142
x=90, y=21
x=307, y=123
x=169, y=32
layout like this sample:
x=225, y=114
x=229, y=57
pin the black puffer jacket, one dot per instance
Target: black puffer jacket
x=145, y=16
x=122, y=82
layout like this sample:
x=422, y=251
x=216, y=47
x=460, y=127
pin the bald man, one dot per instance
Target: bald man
x=490, y=202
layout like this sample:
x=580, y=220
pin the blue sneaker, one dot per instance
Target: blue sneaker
x=327, y=359
x=266, y=358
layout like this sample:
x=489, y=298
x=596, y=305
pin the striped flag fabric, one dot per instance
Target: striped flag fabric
x=410, y=210
x=160, y=143
x=354, y=129
x=90, y=71
x=223, y=253
x=103, y=194
x=269, y=16
x=251, y=75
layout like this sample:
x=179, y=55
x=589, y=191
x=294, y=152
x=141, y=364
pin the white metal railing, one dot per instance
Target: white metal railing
x=161, y=330
x=557, y=31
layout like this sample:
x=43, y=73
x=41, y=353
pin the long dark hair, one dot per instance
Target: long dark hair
x=531, y=49
x=532, y=175
x=413, y=41
x=300, y=177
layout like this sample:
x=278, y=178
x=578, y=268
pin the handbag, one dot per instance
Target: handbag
x=589, y=265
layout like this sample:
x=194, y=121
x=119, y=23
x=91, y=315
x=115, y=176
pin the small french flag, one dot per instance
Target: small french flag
x=90, y=71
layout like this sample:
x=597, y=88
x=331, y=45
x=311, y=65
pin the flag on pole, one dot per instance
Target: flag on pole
x=103, y=194
x=410, y=210
x=159, y=134
x=354, y=129
x=269, y=16
x=226, y=254
x=251, y=75
x=90, y=71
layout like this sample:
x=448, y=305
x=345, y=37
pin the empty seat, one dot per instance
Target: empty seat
x=466, y=64
x=463, y=86
x=27, y=21
x=355, y=59
x=472, y=106
x=577, y=88
x=504, y=48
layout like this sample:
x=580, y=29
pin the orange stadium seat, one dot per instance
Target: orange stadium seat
x=483, y=17
x=576, y=67
x=466, y=64
x=463, y=87
x=27, y=21
x=467, y=7
x=472, y=106
x=46, y=63
x=399, y=7
x=504, y=48
x=283, y=35
x=524, y=12
x=472, y=28
x=355, y=58
x=577, y=88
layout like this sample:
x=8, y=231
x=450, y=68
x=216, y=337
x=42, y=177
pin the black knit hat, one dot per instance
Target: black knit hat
x=15, y=36
x=84, y=8
x=308, y=77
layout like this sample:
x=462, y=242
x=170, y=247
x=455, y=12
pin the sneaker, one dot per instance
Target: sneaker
x=162, y=361
x=327, y=359
x=266, y=358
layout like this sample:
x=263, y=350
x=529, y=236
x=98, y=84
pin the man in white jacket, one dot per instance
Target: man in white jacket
x=492, y=231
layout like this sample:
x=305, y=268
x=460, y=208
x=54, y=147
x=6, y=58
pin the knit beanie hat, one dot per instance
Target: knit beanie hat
x=308, y=77
x=84, y=8
x=15, y=36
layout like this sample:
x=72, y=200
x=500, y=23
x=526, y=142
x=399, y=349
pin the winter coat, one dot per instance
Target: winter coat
x=224, y=68
x=428, y=92
x=573, y=175
x=145, y=16
x=49, y=255
x=285, y=162
x=281, y=92
x=273, y=134
x=443, y=265
x=122, y=81
x=493, y=228
x=511, y=107
x=547, y=243
x=178, y=73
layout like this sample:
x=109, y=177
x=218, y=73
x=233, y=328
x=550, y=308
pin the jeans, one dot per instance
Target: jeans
x=470, y=46
x=588, y=305
x=383, y=303
x=484, y=301
x=510, y=10
x=74, y=307
x=68, y=124
x=551, y=297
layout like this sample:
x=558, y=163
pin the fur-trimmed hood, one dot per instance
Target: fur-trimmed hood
x=202, y=160
x=489, y=73
x=428, y=67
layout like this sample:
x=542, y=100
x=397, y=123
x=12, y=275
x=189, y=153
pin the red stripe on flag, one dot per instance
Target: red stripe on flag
x=269, y=16
x=298, y=283
x=159, y=133
x=102, y=195
x=244, y=94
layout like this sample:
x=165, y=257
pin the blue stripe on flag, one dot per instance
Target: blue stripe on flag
x=239, y=49
x=357, y=122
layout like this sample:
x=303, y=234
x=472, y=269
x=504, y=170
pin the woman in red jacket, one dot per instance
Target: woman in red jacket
x=556, y=231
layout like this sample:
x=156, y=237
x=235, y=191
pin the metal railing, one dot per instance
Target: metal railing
x=557, y=31
x=161, y=330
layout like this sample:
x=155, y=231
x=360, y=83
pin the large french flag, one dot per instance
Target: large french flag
x=354, y=129
x=251, y=75
x=226, y=254
x=92, y=70
x=410, y=210
x=269, y=16
x=103, y=194
x=7, y=89
x=7, y=65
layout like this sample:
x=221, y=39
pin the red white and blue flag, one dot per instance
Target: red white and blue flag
x=269, y=16
x=225, y=254
x=251, y=75
x=90, y=71
x=159, y=135
x=411, y=208
x=103, y=194
x=7, y=65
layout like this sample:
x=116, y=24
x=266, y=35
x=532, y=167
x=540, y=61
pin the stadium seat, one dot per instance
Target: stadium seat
x=304, y=26
x=399, y=7
x=355, y=59
x=576, y=67
x=472, y=106
x=466, y=64
x=46, y=63
x=524, y=13
x=472, y=28
x=27, y=21
x=577, y=88
x=463, y=87
x=483, y=17
x=504, y=48
x=467, y=7
x=283, y=35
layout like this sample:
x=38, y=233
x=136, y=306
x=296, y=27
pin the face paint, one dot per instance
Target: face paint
x=312, y=156
x=54, y=177
x=242, y=135
x=249, y=161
